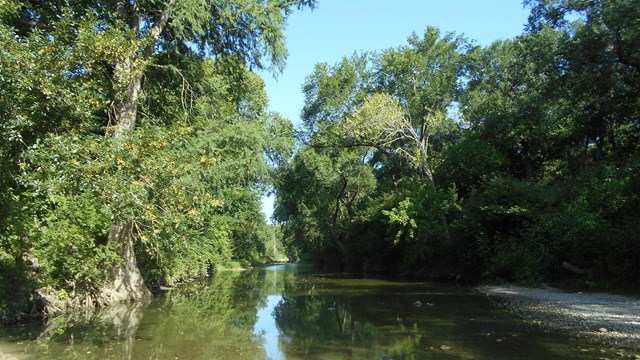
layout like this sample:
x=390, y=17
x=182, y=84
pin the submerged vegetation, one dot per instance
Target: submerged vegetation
x=136, y=145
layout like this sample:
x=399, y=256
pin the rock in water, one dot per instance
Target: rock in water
x=418, y=303
x=445, y=347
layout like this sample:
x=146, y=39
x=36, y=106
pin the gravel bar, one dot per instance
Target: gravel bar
x=611, y=319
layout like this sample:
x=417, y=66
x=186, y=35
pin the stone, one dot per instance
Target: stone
x=603, y=330
x=445, y=347
x=418, y=303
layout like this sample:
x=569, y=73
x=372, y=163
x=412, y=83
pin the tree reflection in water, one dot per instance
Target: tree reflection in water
x=289, y=312
x=321, y=325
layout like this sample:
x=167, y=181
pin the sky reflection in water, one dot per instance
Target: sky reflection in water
x=291, y=312
x=267, y=330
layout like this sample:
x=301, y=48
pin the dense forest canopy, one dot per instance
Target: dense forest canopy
x=136, y=144
x=445, y=159
x=135, y=140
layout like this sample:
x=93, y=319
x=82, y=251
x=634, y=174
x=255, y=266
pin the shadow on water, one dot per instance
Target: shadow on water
x=291, y=312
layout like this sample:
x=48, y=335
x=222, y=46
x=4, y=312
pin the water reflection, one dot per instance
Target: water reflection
x=265, y=327
x=267, y=330
x=289, y=312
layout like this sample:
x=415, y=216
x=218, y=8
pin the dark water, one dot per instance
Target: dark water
x=290, y=312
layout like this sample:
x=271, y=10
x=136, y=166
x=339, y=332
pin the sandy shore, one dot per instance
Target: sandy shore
x=611, y=319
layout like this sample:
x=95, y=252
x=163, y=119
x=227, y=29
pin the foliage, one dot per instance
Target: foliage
x=367, y=111
x=434, y=158
x=326, y=189
x=182, y=190
x=75, y=76
x=497, y=162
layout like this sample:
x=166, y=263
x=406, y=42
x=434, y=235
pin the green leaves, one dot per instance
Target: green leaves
x=399, y=217
x=333, y=92
x=319, y=194
x=193, y=197
x=528, y=136
x=251, y=30
x=424, y=74
x=384, y=114
x=380, y=120
x=189, y=178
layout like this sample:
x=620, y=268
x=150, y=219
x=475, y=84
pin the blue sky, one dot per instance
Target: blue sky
x=338, y=28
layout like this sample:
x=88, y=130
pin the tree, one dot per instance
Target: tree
x=248, y=30
x=319, y=194
x=602, y=63
x=513, y=100
x=99, y=60
x=333, y=92
x=386, y=115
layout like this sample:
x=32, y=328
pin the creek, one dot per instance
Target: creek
x=295, y=312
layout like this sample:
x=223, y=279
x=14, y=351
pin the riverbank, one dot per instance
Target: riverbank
x=610, y=319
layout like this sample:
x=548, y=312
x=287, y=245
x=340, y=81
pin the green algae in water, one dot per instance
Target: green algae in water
x=291, y=312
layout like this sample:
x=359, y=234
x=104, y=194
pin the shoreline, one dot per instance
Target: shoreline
x=613, y=320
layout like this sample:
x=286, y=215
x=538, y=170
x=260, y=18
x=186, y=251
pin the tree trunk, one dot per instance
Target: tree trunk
x=335, y=236
x=126, y=103
x=127, y=282
x=424, y=172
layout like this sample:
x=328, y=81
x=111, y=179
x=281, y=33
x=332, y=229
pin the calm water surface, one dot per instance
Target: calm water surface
x=292, y=312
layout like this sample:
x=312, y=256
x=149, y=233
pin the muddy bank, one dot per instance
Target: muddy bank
x=611, y=319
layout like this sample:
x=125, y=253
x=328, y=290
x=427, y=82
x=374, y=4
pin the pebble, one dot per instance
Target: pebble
x=636, y=356
x=445, y=347
x=574, y=313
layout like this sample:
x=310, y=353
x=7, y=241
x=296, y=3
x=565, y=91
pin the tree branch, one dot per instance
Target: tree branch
x=334, y=231
x=157, y=29
x=122, y=9
x=134, y=23
x=34, y=24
